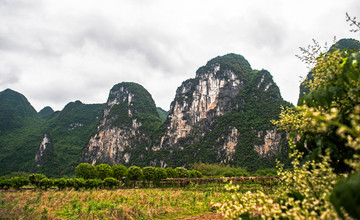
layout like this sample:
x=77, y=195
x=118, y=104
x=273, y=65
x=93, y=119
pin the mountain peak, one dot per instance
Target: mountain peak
x=15, y=109
x=46, y=112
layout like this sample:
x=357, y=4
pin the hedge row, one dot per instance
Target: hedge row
x=101, y=176
x=42, y=182
x=133, y=173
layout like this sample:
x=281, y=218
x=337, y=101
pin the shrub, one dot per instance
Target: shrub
x=111, y=182
x=160, y=174
x=195, y=174
x=18, y=182
x=85, y=171
x=46, y=183
x=35, y=179
x=60, y=183
x=134, y=173
x=149, y=173
x=182, y=172
x=346, y=195
x=79, y=183
x=5, y=183
x=228, y=174
x=118, y=171
x=266, y=172
x=103, y=171
x=171, y=173
x=215, y=169
x=93, y=183
x=70, y=183
x=242, y=174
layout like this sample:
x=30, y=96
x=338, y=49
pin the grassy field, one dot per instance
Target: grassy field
x=110, y=204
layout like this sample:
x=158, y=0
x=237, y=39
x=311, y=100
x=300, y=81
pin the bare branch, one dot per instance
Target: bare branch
x=353, y=22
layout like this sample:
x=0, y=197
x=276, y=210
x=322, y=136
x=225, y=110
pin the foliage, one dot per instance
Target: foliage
x=195, y=174
x=60, y=183
x=303, y=193
x=266, y=172
x=322, y=121
x=36, y=178
x=46, y=183
x=324, y=130
x=93, y=183
x=182, y=172
x=118, y=171
x=149, y=173
x=160, y=174
x=46, y=112
x=111, y=182
x=103, y=171
x=162, y=114
x=215, y=170
x=228, y=174
x=5, y=183
x=70, y=130
x=86, y=171
x=18, y=182
x=134, y=173
x=171, y=173
x=346, y=195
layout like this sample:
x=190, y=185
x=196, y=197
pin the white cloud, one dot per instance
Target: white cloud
x=55, y=52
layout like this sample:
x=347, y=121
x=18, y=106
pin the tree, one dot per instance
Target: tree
x=103, y=171
x=18, y=182
x=60, y=183
x=327, y=115
x=111, y=182
x=134, y=173
x=86, y=171
x=160, y=174
x=325, y=141
x=46, y=183
x=182, y=172
x=118, y=171
x=171, y=173
x=36, y=178
x=149, y=173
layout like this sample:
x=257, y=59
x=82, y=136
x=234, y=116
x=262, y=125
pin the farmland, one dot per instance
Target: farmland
x=120, y=203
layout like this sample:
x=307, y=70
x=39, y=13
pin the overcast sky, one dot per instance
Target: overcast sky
x=55, y=52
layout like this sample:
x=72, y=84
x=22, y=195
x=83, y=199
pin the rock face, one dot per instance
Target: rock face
x=222, y=116
x=272, y=143
x=45, y=144
x=205, y=97
x=129, y=116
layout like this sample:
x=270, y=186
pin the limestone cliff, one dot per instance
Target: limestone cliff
x=223, y=116
x=45, y=144
x=129, y=117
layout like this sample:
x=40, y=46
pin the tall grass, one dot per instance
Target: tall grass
x=110, y=204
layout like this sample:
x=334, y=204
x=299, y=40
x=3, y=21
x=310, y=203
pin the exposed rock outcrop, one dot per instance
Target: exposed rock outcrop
x=272, y=143
x=45, y=145
x=123, y=128
x=217, y=116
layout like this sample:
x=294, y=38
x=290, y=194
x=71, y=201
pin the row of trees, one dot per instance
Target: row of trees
x=101, y=176
x=40, y=181
x=133, y=173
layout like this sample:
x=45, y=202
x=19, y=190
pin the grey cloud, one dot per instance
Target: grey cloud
x=152, y=44
x=267, y=33
x=9, y=75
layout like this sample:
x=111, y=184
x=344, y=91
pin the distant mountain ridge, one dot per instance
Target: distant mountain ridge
x=222, y=115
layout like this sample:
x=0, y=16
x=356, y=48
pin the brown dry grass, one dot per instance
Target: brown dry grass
x=111, y=204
